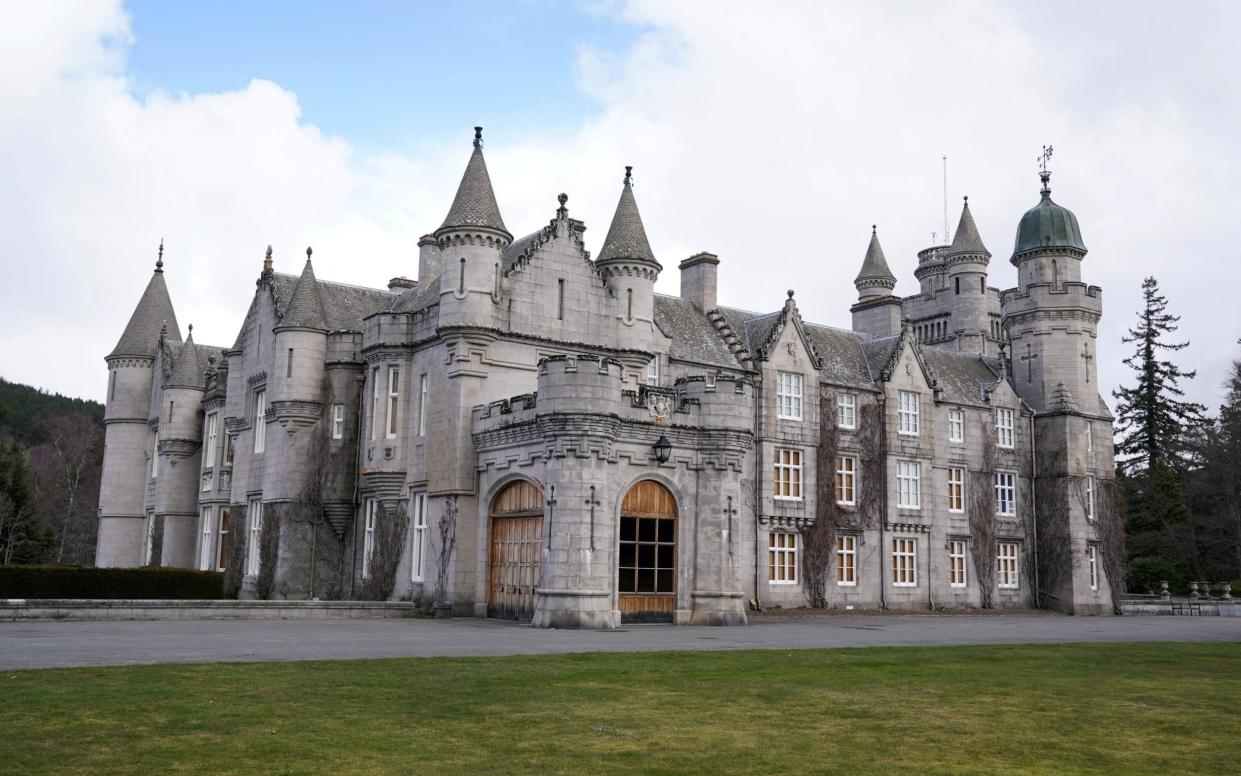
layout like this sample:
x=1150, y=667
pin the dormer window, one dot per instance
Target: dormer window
x=788, y=396
x=907, y=414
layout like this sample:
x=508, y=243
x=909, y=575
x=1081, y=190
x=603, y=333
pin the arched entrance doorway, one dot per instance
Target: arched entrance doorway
x=646, y=574
x=515, y=562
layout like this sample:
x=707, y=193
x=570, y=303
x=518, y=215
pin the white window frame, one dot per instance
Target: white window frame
x=956, y=563
x=338, y=421
x=154, y=454
x=1006, y=494
x=226, y=458
x=846, y=479
x=220, y=534
x=148, y=538
x=1090, y=488
x=1007, y=565
x=418, y=537
x=846, y=411
x=1089, y=437
x=781, y=558
x=375, y=400
x=789, y=392
x=909, y=484
x=787, y=476
x=254, y=518
x=392, y=416
x=904, y=562
x=652, y=372
x=1004, y=428
x=209, y=448
x=207, y=537
x=1092, y=565
x=423, y=393
x=956, y=489
x=908, y=410
x=846, y=560
x=956, y=425
x=370, y=511
x=260, y=422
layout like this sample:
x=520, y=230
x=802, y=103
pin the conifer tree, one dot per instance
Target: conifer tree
x=1152, y=415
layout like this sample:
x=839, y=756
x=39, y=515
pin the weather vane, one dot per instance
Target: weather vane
x=1043, y=172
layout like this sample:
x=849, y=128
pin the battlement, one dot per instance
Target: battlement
x=1054, y=295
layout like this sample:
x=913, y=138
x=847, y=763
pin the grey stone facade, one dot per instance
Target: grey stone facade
x=529, y=389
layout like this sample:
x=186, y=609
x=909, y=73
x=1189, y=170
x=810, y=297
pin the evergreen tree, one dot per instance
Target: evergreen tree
x=1152, y=415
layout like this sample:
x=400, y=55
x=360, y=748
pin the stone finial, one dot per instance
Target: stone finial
x=267, y=259
x=562, y=211
x=159, y=261
x=309, y=251
x=629, y=175
x=478, y=137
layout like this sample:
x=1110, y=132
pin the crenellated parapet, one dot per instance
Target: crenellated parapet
x=1049, y=302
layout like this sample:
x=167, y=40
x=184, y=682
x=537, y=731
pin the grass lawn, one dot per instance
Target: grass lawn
x=1116, y=708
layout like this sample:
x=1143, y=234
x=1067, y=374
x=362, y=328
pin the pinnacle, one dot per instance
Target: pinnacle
x=967, y=239
x=627, y=236
x=475, y=203
x=875, y=265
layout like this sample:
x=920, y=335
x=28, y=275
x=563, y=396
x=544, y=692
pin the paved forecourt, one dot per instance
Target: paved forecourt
x=105, y=643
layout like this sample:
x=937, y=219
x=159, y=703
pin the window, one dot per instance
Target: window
x=371, y=507
x=1004, y=428
x=1089, y=437
x=394, y=395
x=652, y=372
x=209, y=448
x=1006, y=564
x=1092, y=565
x=782, y=558
x=956, y=489
x=205, y=554
x=956, y=425
x=422, y=406
x=846, y=561
x=222, y=544
x=338, y=421
x=148, y=538
x=846, y=479
x=1090, y=497
x=905, y=562
x=956, y=563
x=560, y=299
x=154, y=454
x=288, y=370
x=957, y=286
x=846, y=410
x=260, y=422
x=787, y=474
x=1005, y=494
x=418, y=550
x=375, y=399
x=908, y=485
x=788, y=396
x=907, y=418
x=228, y=449
x=254, y=512
x=112, y=385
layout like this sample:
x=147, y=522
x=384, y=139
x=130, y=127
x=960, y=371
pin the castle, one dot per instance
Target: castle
x=529, y=432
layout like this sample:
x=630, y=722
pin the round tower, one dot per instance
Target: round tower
x=180, y=445
x=629, y=270
x=471, y=242
x=877, y=312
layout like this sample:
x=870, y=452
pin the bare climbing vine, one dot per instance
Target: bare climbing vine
x=982, y=519
x=818, y=538
x=391, y=524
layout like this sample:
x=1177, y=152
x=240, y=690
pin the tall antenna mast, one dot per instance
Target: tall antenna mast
x=947, y=237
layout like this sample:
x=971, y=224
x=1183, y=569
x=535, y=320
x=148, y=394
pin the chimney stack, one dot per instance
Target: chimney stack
x=699, y=280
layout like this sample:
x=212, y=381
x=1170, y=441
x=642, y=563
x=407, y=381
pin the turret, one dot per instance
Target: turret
x=296, y=384
x=471, y=242
x=126, y=465
x=877, y=312
x=967, y=259
x=180, y=448
x=629, y=270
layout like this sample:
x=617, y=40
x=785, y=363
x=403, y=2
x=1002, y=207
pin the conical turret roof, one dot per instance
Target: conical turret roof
x=875, y=265
x=967, y=239
x=305, y=307
x=627, y=236
x=475, y=203
x=154, y=310
x=187, y=372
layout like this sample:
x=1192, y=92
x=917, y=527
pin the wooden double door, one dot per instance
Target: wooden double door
x=515, y=562
x=646, y=564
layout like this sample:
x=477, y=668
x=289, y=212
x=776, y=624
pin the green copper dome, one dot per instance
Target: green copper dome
x=1048, y=225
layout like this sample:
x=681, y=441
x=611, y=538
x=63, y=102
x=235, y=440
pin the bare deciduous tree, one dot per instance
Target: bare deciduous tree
x=391, y=525
x=65, y=471
x=445, y=547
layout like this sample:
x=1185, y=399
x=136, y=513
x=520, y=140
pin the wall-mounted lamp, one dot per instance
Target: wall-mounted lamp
x=663, y=449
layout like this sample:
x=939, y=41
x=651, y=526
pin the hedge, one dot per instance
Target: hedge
x=148, y=582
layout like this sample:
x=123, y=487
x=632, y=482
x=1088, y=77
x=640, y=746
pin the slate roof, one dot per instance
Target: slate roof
x=967, y=239
x=475, y=203
x=875, y=264
x=841, y=356
x=189, y=369
x=420, y=297
x=694, y=337
x=962, y=378
x=154, y=310
x=626, y=236
x=305, y=308
x=344, y=306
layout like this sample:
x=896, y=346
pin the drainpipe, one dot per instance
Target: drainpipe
x=758, y=552
x=1034, y=504
x=357, y=475
x=883, y=499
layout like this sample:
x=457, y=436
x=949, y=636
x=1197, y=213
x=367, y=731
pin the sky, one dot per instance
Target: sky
x=773, y=134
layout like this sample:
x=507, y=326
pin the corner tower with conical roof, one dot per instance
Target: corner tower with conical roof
x=180, y=449
x=877, y=312
x=966, y=261
x=629, y=270
x=471, y=241
x=129, y=439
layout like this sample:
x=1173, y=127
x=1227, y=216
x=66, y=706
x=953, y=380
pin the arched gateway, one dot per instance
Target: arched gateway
x=646, y=574
x=515, y=562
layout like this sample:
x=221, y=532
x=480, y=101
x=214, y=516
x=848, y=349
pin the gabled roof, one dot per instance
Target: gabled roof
x=475, y=203
x=305, y=306
x=626, y=236
x=154, y=311
x=694, y=337
x=967, y=239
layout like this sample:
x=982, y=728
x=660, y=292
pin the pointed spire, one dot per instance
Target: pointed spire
x=159, y=261
x=875, y=278
x=475, y=203
x=188, y=372
x=152, y=318
x=305, y=308
x=627, y=236
x=967, y=239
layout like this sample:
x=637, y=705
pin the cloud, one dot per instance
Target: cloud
x=772, y=134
